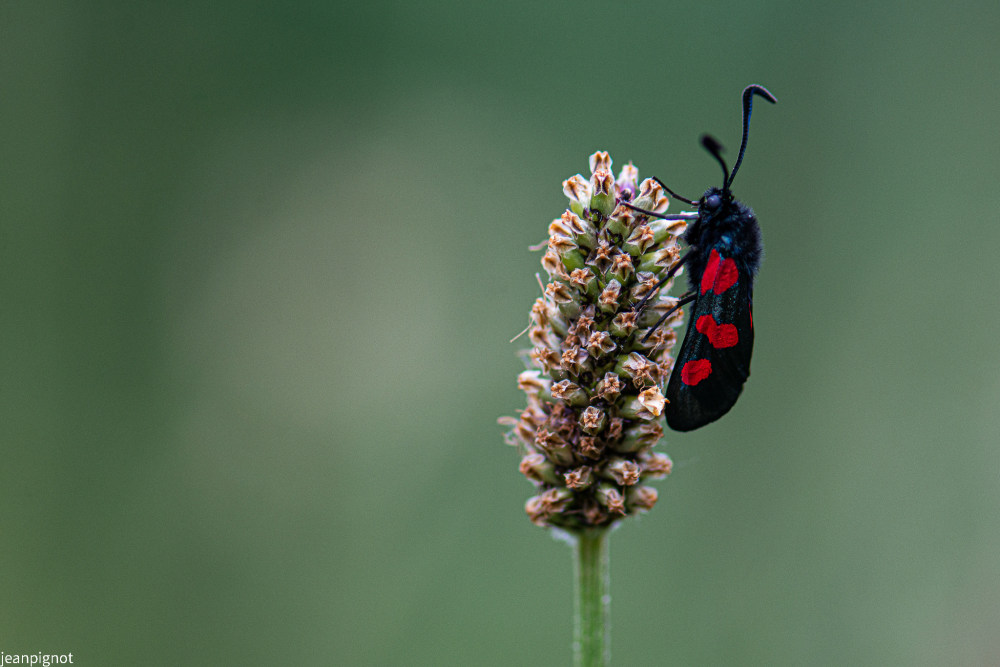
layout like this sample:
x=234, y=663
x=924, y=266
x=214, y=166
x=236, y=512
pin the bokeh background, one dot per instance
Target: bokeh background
x=261, y=262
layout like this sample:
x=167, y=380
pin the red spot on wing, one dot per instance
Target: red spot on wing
x=720, y=274
x=719, y=335
x=728, y=275
x=711, y=270
x=695, y=371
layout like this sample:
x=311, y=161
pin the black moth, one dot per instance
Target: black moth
x=723, y=256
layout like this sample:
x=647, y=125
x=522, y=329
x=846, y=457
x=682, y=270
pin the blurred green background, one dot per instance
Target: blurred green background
x=261, y=262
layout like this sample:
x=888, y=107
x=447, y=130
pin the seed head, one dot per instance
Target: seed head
x=594, y=389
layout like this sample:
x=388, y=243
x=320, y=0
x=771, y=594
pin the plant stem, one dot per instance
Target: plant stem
x=592, y=629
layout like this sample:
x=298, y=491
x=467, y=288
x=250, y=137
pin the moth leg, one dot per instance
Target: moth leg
x=674, y=194
x=670, y=274
x=661, y=216
x=684, y=300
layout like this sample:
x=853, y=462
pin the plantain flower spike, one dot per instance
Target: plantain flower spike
x=594, y=390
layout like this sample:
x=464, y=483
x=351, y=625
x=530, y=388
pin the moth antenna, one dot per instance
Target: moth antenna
x=748, y=93
x=712, y=145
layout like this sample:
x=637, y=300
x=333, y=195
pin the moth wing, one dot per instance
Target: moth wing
x=714, y=360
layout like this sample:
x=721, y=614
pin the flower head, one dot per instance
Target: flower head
x=594, y=389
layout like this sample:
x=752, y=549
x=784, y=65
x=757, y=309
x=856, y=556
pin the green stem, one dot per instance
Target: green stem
x=592, y=629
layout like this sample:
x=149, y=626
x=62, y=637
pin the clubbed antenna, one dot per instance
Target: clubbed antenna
x=712, y=145
x=748, y=93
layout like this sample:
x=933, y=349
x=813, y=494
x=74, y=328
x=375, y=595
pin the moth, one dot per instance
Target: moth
x=723, y=257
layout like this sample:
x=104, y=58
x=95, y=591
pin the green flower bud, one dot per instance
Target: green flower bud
x=585, y=282
x=553, y=265
x=542, y=507
x=624, y=324
x=593, y=420
x=628, y=180
x=536, y=467
x=555, y=448
x=641, y=498
x=573, y=258
x=602, y=198
x=578, y=191
x=600, y=160
x=640, y=436
x=660, y=259
x=591, y=447
x=576, y=360
x=623, y=471
x=663, y=228
x=569, y=392
x=546, y=359
x=659, y=340
x=621, y=221
x=621, y=268
x=656, y=465
x=640, y=239
x=609, y=300
x=602, y=256
x=609, y=387
x=583, y=231
x=649, y=193
x=600, y=344
x=656, y=309
x=532, y=383
x=639, y=369
x=647, y=405
x=579, y=478
x=646, y=282
x=557, y=322
x=652, y=400
x=611, y=498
